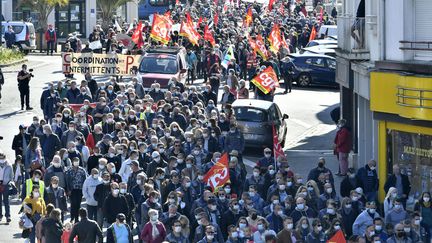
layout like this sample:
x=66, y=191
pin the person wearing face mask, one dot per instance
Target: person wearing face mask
x=315, y=173
x=56, y=195
x=379, y=229
x=262, y=231
x=114, y=204
x=389, y=200
x=288, y=234
x=328, y=214
x=400, y=182
x=119, y=231
x=156, y=162
x=6, y=177
x=302, y=210
x=342, y=146
x=276, y=217
x=75, y=178
x=348, y=215
x=45, y=94
x=400, y=235
x=50, y=143
x=397, y=213
x=365, y=219
x=24, y=78
x=349, y=183
x=267, y=160
x=70, y=135
x=35, y=180
x=51, y=105
x=335, y=227
x=418, y=230
x=152, y=203
x=153, y=231
x=101, y=192
x=209, y=94
x=38, y=208
x=327, y=195
x=176, y=233
x=88, y=190
x=368, y=178
x=317, y=234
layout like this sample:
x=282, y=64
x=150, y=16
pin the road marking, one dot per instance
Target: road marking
x=299, y=122
x=248, y=162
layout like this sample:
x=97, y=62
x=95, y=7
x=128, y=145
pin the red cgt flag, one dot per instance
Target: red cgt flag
x=277, y=148
x=137, y=36
x=266, y=80
x=161, y=28
x=218, y=175
x=208, y=36
x=270, y=5
x=275, y=39
x=187, y=30
x=337, y=238
x=249, y=17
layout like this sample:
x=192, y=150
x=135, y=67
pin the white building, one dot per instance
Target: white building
x=78, y=15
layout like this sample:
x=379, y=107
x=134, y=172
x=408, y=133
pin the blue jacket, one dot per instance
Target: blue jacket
x=234, y=141
x=363, y=221
x=72, y=95
x=368, y=179
x=50, y=107
x=50, y=145
x=275, y=222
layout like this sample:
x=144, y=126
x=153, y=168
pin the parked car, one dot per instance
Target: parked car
x=312, y=69
x=328, y=31
x=24, y=33
x=159, y=65
x=328, y=50
x=322, y=42
x=256, y=119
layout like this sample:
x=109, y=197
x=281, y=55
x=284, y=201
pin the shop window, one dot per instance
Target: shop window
x=413, y=153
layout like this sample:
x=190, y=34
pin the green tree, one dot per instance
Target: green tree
x=108, y=7
x=44, y=8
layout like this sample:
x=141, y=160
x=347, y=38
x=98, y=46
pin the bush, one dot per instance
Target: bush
x=9, y=55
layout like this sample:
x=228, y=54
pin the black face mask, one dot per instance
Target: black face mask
x=321, y=165
x=254, y=216
x=400, y=234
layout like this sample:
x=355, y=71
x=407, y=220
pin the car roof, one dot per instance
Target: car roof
x=325, y=41
x=260, y=104
x=320, y=48
x=306, y=55
x=166, y=50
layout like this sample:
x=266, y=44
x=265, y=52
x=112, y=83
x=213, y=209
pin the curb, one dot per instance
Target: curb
x=14, y=63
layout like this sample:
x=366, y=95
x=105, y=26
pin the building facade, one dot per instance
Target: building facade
x=385, y=73
x=77, y=16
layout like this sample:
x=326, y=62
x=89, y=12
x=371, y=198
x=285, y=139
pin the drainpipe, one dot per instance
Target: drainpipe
x=383, y=32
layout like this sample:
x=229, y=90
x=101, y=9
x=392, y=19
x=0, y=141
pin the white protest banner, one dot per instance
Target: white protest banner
x=94, y=45
x=99, y=64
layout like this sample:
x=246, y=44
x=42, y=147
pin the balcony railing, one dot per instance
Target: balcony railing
x=413, y=97
x=416, y=45
x=352, y=34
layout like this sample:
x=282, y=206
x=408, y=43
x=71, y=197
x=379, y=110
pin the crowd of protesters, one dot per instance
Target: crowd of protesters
x=130, y=163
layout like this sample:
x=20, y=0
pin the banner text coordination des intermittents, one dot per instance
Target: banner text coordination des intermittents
x=99, y=64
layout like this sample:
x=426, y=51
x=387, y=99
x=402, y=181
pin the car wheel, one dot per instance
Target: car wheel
x=304, y=80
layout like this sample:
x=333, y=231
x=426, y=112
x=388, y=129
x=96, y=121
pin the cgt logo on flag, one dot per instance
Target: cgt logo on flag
x=218, y=175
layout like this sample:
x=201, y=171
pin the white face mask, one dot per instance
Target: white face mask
x=177, y=229
x=122, y=191
x=154, y=218
x=36, y=194
x=116, y=192
x=95, y=176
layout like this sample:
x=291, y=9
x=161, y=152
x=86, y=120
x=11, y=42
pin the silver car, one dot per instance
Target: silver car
x=256, y=119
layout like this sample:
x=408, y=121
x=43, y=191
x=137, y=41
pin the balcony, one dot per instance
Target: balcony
x=352, y=41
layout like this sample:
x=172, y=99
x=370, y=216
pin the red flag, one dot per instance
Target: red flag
x=208, y=36
x=252, y=44
x=218, y=175
x=249, y=17
x=161, y=28
x=188, y=17
x=277, y=148
x=137, y=36
x=275, y=38
x=261, y=48
x=187, y=30
x=313, y=34
x=200, y=20
x=337, y=238
x=177, y=2
x=77, y=107
x=270, y=5
x=215, y=19
x=266, y=80
x=167, y=14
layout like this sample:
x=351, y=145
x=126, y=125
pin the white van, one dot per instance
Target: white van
x=328, y=30
x=24, y=32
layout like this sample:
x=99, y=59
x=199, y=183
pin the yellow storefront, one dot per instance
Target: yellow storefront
x=402, y=104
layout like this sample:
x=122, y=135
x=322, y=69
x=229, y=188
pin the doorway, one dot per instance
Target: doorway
x=71, y=18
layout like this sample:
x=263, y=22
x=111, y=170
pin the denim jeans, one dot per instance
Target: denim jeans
x=4, y=198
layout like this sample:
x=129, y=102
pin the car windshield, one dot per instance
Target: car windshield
x=250, y=114
x=158, y=64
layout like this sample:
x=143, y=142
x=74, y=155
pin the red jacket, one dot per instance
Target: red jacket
x=48, y=36
x=146, y=233
x=343, y=140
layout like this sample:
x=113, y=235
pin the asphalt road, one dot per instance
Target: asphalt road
x=310, y=129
